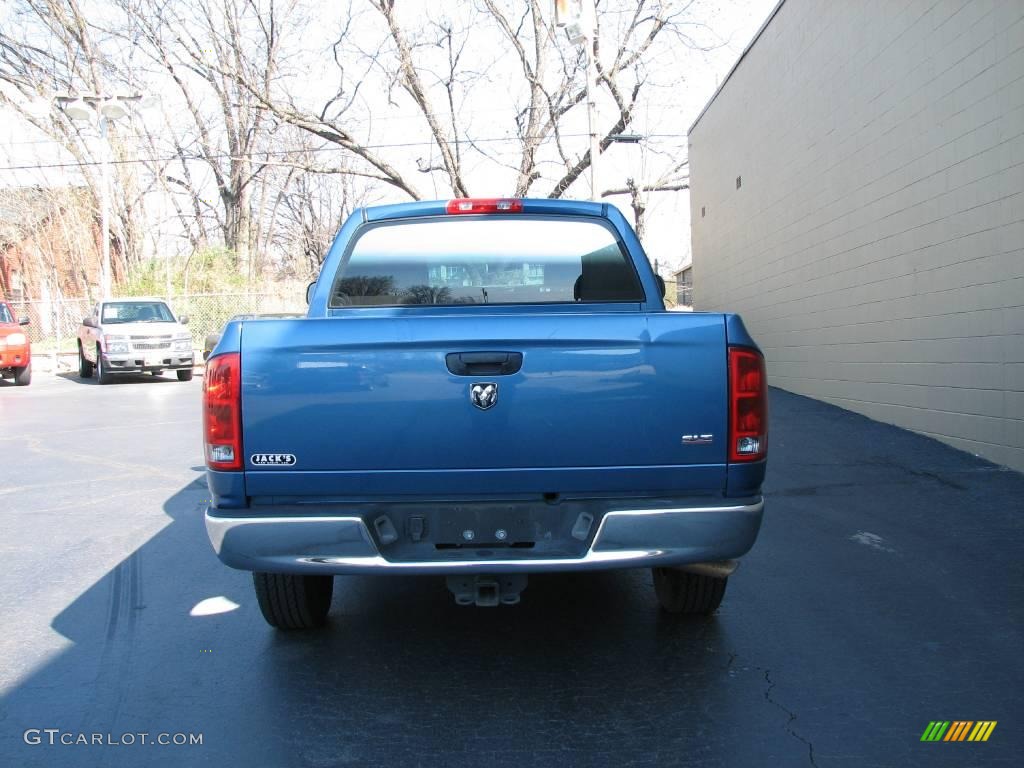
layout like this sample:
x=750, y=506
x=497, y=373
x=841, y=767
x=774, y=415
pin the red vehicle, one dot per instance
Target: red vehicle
x=15, y=349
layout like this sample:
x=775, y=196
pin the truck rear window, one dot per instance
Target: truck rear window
x=486, y=260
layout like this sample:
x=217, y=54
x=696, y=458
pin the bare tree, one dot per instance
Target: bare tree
x=673, y=179
x=293, y=120
x=308, y=202
x=436, y=64
x=206, y=48
x=48, y=48
x=216, y=132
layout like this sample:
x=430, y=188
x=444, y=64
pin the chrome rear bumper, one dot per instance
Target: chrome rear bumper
x=138, y=362
x=644, y=534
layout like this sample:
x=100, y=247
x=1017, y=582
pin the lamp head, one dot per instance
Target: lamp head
x=79, y=110
x=113, y=109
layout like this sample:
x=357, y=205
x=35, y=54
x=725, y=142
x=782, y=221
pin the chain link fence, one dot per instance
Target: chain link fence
x=53, y=325
x=208, y=312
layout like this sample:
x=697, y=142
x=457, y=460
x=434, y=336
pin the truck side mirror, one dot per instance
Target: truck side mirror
x=24, y=321
x=309, y=291
x=183, y=319
x=88, y=322
x=661, y=284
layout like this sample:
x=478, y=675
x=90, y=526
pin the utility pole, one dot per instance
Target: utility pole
x=579, y=19
x=105, y=269
x=592, y=84
x=98, y=109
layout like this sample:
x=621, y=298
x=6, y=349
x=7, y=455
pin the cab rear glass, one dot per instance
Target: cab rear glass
x=486, y=260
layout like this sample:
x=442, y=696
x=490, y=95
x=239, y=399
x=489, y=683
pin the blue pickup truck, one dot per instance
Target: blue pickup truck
x=484, y=389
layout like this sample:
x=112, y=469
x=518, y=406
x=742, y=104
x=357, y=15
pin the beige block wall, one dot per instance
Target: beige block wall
x=875, y=247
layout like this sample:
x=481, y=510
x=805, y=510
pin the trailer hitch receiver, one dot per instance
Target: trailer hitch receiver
x=487, y=591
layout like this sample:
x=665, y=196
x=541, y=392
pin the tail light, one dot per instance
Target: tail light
x=222, y=412
x=748, y=405
x=485, y=205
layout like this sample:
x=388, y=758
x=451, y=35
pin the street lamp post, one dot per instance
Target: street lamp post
x=105, y=270
x=98, y=110
x=579, y=18
x=595, y=143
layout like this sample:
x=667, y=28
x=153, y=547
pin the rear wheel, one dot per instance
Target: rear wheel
x=84, y=366
x=688, y=593
x=185, y=375
x=293, y=602
x=23, y=376
x=101, y=372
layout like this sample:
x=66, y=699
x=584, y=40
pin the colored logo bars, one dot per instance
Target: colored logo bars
x=958, y=730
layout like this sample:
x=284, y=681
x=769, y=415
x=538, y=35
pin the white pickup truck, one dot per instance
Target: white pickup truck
x=134, y=336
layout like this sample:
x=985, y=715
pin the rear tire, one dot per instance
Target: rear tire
x=84, y=366
x=185, y=375
x=23, y=376
x=102, y=377
x=686, y=593
x=293, y=602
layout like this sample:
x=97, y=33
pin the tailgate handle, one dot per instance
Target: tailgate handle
x=484, y=363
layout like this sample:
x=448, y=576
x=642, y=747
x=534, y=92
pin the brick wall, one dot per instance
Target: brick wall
x=857, y=193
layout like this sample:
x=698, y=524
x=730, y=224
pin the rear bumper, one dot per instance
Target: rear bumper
x=138, y=362
x=641, y=534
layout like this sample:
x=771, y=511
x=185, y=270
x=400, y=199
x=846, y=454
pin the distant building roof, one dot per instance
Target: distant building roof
x=682, y=269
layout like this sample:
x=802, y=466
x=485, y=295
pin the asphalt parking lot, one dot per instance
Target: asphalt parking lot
x=886, y=591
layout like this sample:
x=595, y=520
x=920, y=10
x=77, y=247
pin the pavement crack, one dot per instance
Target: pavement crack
x=919, y=473
x=937, y=478
x=792, y=717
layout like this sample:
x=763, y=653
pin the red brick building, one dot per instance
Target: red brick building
x=49, y=243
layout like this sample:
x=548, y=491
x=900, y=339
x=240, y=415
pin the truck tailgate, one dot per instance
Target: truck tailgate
x=369, y=407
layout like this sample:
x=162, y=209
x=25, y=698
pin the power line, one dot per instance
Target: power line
x=301, y=150
x=28, y=142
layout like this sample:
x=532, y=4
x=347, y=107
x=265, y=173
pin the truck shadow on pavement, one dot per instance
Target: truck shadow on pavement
x=401, y=675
